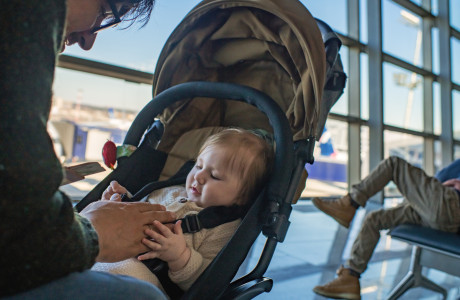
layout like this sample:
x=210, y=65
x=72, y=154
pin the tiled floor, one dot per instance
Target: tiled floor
x=301, y=261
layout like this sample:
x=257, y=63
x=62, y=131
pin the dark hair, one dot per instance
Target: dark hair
x=136, y=11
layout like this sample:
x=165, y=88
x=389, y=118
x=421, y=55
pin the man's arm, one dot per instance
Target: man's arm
x=41, y=237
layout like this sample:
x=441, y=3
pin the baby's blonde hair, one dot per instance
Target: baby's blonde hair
x=250, y=155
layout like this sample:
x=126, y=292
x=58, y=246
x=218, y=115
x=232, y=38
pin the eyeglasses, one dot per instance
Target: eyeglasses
x=109, y=22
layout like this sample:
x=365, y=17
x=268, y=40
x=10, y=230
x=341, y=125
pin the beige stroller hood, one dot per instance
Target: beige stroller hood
x=274, y=46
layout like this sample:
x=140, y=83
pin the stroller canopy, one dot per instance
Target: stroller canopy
x=274, y=46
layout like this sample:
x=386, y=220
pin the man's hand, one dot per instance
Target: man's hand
x=120, y=226
x=455, y=183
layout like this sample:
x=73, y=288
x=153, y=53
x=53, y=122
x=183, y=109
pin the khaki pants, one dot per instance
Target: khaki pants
x=427, y=203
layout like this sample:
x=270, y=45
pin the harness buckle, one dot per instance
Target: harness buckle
x=191, y=224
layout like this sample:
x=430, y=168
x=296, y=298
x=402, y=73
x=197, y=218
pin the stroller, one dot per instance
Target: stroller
x=254, y=64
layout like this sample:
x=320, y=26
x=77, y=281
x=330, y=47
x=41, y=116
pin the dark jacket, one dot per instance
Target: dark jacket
x=41, y=237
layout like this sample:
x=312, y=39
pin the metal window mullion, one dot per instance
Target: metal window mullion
x=374, y=19
x=445, y=77
x=103, y=69
x=354, y=97
x=428, y=119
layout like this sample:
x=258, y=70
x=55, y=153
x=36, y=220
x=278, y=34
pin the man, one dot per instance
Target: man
x=428, y=202
x=45, y=246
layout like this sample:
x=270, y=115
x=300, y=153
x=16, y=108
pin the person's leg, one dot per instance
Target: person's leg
x=347, y=285
x=343, y=209
x=436, y=204
x=91, y=285
x=369, y=234
x=432, y=201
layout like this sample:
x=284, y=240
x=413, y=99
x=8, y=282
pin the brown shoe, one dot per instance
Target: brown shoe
x=345, y=286
x=340, y=209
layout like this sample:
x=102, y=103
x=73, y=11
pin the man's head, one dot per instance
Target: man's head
x=231, y=167
x=85, y=17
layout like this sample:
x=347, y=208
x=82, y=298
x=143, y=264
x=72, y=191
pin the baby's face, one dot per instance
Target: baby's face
x=211, y=182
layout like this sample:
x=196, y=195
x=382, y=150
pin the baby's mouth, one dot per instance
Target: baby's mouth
x=195, y=190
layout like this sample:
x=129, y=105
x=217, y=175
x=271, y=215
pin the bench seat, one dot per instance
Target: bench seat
x=431, y=248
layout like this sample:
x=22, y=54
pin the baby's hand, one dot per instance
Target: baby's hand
x=167, y=245
x=114, y=191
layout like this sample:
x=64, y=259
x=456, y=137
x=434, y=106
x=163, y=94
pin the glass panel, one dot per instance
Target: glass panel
x=455, y=44
x=364, y=86
x=456, y=152
x=406, y=146
x=336, y=18
x=456, y=113
x=364, y=151
x=436, y=108
x=407, y=43
x=455, y=13
x=418, y=2
x=363, y=21
x=137, y=48
x=87, y=111
x=341, y=107
x=437, y=156
x=403, y=101
x=328, y=174
x=435, y=47
x=434, y=7
x=100, y=91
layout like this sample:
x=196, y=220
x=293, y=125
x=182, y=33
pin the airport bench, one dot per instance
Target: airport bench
x=430, y=248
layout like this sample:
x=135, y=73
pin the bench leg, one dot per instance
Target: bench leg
x=414, y=278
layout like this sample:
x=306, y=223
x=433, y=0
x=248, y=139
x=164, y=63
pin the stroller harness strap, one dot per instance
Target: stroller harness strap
x=209, y=217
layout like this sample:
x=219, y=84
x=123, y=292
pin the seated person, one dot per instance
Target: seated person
x=428, y=202
x=452, y=171
x=231, y=167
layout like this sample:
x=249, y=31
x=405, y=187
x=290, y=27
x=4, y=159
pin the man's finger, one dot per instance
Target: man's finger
x=146, y=207
x=160, y=216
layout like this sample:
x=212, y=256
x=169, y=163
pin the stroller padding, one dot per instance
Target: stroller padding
x=185, y=149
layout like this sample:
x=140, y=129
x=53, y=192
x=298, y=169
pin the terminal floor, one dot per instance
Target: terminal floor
x=306, y=259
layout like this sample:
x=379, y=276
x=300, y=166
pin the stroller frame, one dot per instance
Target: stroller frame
x=271, y=210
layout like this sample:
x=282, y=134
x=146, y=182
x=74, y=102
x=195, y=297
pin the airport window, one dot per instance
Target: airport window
x=364, y=155
x=364, y=86
x=411, y=57
x=401, y=27
x=437, y=108
x=455, y=14
x=455, y=60
x=336, y=18
x=341, y=107
x=456, y=113
x=402, y=97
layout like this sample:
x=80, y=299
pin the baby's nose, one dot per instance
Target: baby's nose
x=199, y=177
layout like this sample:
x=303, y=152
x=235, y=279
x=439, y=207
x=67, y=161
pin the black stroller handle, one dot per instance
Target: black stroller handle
x=284, y=155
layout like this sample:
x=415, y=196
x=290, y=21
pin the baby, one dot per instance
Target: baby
x=230, y=170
